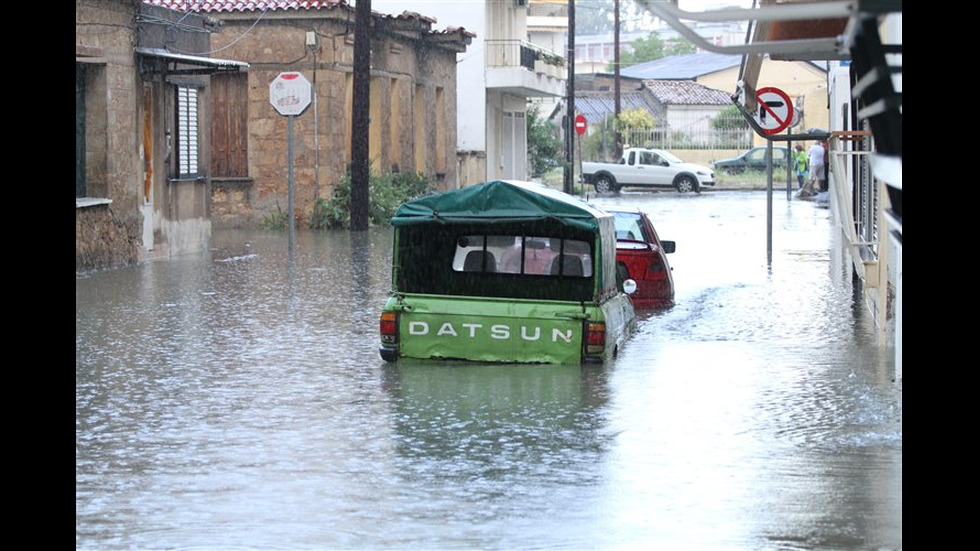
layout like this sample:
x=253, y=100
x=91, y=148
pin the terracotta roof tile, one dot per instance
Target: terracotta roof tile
x=599, y=105
x=244, y=6
x=218, y=6
x=686, y=92
x=458, y=30
x=411, y=15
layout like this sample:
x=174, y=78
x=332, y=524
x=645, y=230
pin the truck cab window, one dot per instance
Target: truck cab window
x=521, y=254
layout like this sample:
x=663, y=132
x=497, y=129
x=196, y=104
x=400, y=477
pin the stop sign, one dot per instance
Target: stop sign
x=290, y=93
x=580, y=124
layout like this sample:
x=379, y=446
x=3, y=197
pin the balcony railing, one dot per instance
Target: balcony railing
x=518, y=53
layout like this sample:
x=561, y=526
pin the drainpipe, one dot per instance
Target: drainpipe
x=618, y=149
x=311, y=44
x=570, y=114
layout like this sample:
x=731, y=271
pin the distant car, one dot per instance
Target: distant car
x=647, y=168
x=642, y=257
x=753, y=159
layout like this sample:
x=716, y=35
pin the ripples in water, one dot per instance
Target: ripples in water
x=236, y=400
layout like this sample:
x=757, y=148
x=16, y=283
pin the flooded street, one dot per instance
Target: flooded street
x=237, y=400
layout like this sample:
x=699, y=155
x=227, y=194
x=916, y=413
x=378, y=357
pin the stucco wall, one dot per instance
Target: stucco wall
x=471, y=99
x=796, y=78
x=472, y=167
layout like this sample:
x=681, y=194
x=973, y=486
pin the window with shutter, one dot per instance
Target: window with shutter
x=187, y=132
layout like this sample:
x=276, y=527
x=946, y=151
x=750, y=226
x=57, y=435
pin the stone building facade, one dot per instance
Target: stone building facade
x=412, y=105
x=142, y=187
x=107, y=219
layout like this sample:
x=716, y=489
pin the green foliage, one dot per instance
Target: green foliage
x=635, y=119
x=278, y=220
x=729, y=118
x=386, y=193
x=600, y=144
x=544, y=148
x=681, y=46
x=549, y=59
x=644, y=49
x=653, y=48
x=597, y=16
x=594, y=18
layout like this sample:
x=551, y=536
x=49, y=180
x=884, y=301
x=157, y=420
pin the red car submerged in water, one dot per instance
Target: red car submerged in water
x=642, y=257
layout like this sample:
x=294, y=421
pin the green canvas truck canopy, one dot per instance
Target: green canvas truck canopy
x=428, y=228
x=500, y=201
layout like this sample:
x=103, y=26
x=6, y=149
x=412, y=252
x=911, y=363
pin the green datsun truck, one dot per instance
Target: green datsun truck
x=505, y=271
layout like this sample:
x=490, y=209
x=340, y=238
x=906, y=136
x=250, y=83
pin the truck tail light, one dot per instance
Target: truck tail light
x=389, y=327
x=595, y=337
x=656, y=269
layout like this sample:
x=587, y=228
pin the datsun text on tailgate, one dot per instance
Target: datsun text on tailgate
x=504, y=271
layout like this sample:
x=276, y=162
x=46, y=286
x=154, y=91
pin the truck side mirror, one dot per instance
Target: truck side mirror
x=668, y=246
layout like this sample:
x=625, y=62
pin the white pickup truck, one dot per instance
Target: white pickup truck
x=641, y=167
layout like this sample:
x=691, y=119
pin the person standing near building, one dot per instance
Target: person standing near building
x=800, y=165
x=818, y=170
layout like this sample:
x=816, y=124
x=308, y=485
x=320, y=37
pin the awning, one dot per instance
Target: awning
x=192, y=64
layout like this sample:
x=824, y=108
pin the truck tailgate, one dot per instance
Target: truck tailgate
x=486, y=329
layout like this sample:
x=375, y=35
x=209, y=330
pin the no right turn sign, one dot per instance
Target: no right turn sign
x=775, y=110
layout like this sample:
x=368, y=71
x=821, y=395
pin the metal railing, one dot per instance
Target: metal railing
x=692, y=138
x=518, y=53
x=725, y=132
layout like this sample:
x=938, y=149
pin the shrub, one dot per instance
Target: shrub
x=385, y=194
x=277, y=220
x=543, y=143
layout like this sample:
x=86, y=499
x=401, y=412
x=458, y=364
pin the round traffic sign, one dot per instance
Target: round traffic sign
x=290, y=93
x=775, y=110
x=580, y=124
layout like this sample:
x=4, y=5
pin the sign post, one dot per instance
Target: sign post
x=776, y=113
x=290, y=94
x=580, y=126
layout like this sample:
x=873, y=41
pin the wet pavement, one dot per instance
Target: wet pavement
x=236, y=400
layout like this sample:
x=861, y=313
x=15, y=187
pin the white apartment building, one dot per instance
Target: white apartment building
x=498, y=74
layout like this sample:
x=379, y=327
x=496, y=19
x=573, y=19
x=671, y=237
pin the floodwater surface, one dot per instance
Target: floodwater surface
x=236, y=400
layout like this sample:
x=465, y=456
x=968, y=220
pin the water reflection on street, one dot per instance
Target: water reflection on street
x=237, y=400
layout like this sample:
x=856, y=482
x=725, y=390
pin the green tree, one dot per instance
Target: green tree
x=634, y=126
x=543, y=142
x=596, y=16
x=635, y=119
x=644, y=49
x=681, y=46
x=593, y=17
x=729, y=118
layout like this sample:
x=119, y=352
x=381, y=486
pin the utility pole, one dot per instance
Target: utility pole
x=616, y=101
x=360, y=152
x=570, y=113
